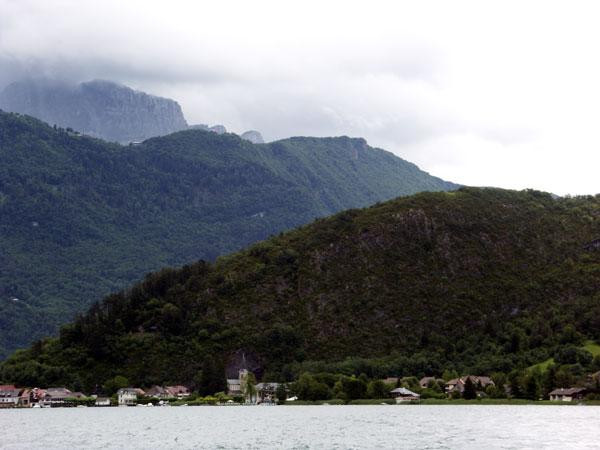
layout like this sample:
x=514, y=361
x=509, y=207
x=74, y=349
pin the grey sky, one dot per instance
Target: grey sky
x=483, y=93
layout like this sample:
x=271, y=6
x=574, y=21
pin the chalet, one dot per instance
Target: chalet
x=127, y=396
x=178, y=391
x=567, y=394
x=403, y=395
x=458, y=384
x=266, y=392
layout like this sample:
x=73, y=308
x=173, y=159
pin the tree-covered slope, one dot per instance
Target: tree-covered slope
x=81, y=218
x=476, y=279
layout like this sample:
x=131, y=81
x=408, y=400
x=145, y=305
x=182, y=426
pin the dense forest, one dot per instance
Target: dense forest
x=470, y=281
x=81, y=218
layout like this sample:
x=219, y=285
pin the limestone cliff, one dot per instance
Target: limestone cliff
x=97, y=108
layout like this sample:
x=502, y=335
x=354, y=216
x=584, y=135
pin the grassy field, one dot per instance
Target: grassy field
x=590, y=346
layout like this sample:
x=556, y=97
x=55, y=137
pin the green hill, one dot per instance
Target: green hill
x=473, y=280
x=81, y=218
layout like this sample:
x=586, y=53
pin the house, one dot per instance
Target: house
x=458, y=384
x=266, y=392
x=403, y=395
x=36, y=395
x=234, y=385
x=567, y=394
x=102, y=401
x=127, y=396
x=178, y=391
x=9, y=396
x=56, y=396
x=158, y=392
x=25, y=398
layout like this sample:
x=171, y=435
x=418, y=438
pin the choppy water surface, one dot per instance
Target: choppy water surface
x=302, y=427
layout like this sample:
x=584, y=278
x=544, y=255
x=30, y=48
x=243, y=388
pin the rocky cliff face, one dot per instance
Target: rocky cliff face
x=98, y=108
x=253, y=136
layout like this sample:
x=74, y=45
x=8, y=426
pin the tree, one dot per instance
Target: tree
x=249, y=387
x=532, y=387
x=515, y=380
x=377, y=389
x=354, y=388
x=549, y=380
x=114, y=384
x=212, y=378
x=307, y=388
x=470, y=391
x=281, y=394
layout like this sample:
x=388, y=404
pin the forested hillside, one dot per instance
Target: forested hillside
x=476, y=280
x=81, y=218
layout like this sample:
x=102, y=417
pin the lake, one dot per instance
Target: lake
x=303, y=427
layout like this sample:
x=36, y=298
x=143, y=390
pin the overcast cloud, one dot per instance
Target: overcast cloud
x=481, y=93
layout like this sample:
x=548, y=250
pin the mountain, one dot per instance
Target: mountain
x=474, y=280
x=97, y=108
x=80, y=218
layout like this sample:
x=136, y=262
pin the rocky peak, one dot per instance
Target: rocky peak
x=98, y=108
x=253, y=136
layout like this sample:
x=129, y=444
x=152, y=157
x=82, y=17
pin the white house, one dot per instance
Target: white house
x=102, y=401
x=127, y=396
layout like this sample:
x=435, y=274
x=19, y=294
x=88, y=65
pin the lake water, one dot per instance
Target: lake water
x=303, y=427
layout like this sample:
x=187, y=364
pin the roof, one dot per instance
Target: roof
x=156, y=390
x=58, y=392
x=127, y=391
x=404, y=391
x=178, y=389
x=425, y=381
x=474, y=378
x=567, y=391
x=10, y=393
x=267, y=385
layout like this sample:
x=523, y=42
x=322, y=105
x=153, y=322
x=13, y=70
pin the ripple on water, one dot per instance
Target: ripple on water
x=304, y=427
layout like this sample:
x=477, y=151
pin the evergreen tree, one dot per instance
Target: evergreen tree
x=249, y=387
x=281, y=394
x=470, y=391
x=532, y=388
x=212, y=379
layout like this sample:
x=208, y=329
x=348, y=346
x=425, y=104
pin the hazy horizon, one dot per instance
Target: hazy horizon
x=501, y=94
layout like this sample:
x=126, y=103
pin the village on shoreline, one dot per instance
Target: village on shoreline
x=244, y=390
